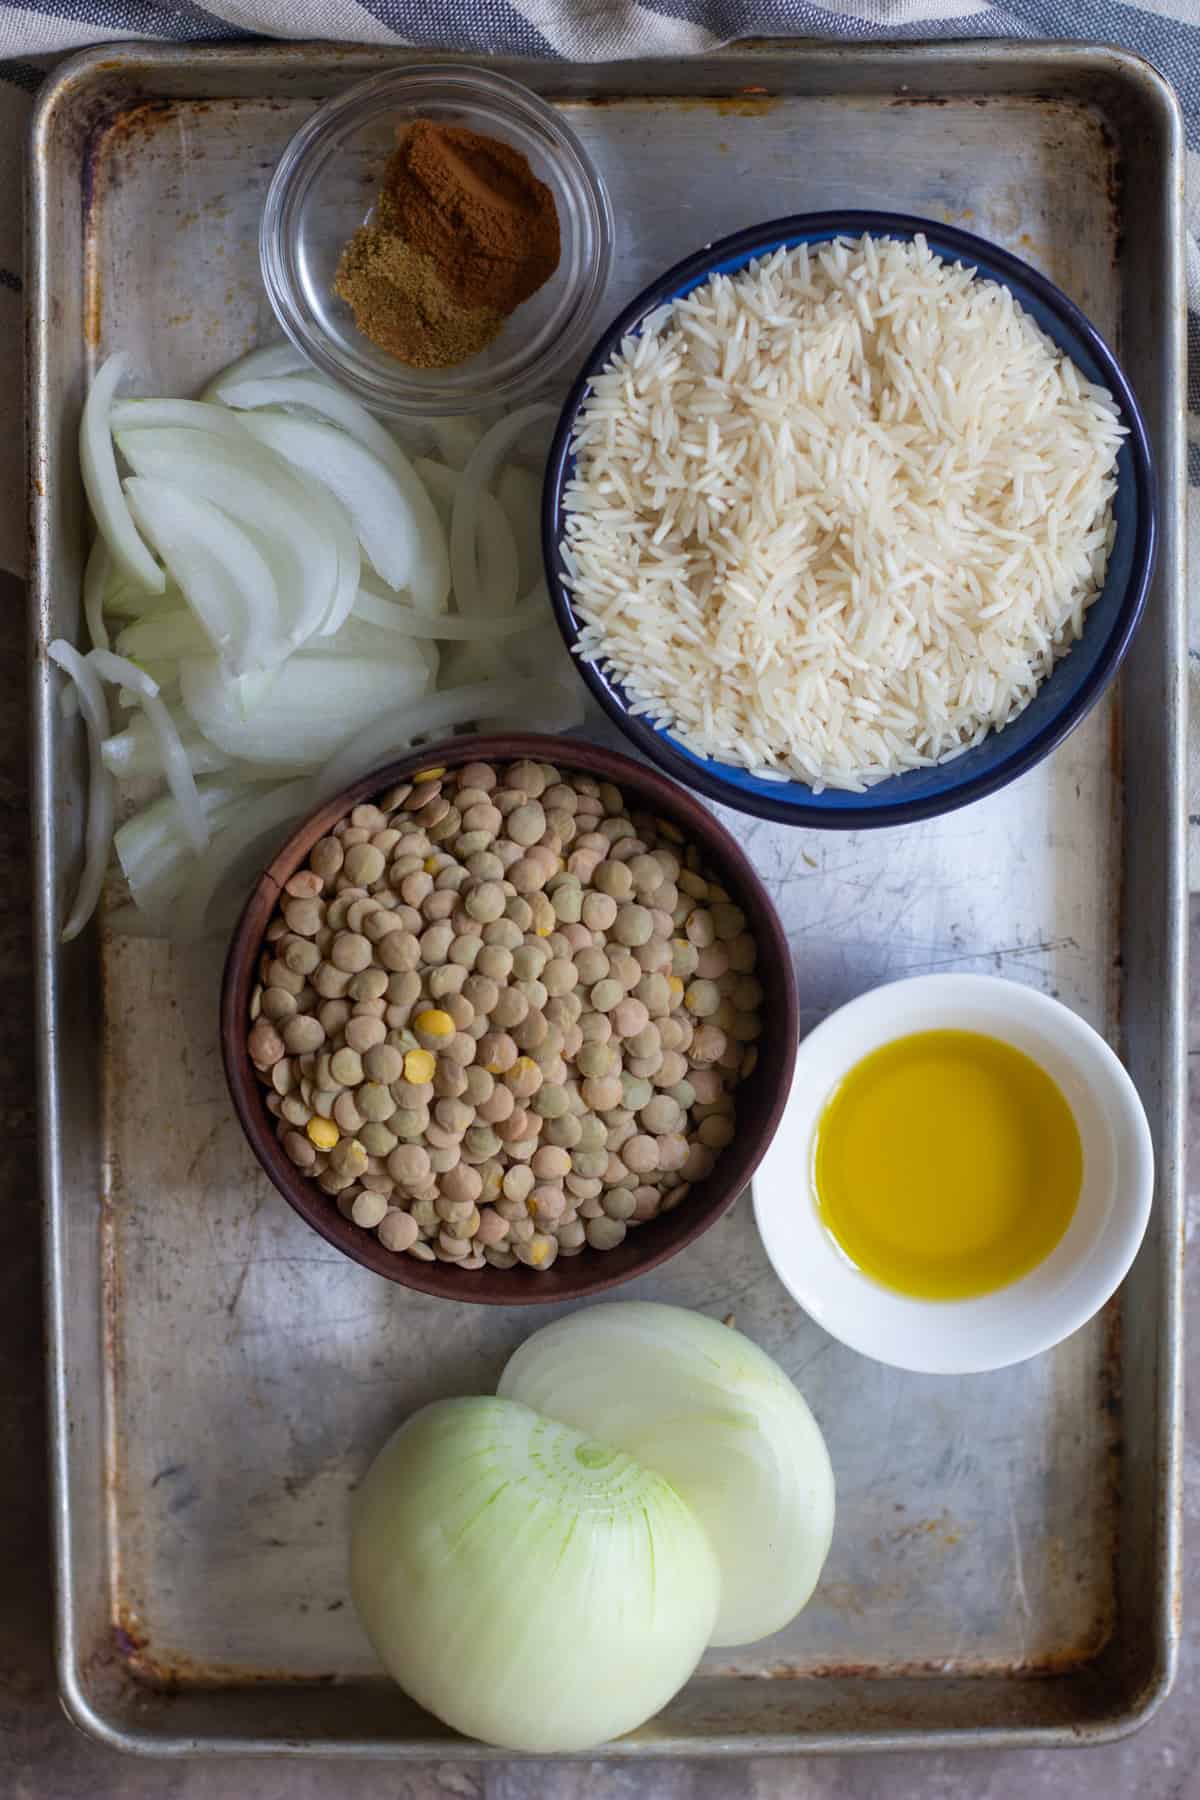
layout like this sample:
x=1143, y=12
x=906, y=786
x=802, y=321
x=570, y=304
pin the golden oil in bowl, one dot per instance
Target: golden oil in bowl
x=947, y=1164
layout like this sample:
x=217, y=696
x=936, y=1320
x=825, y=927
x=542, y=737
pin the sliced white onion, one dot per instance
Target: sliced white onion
x=497, y=557
x=440, y=482
x=559, y=710
x=272, y=525
x=468, y=577
x=222, y=574
x=138, y=751
x=457, y=438
x=520, y=494
x=154, y=853
x=331, y=516
x=304, y=711
x=541, y=649
x=263, y=364
x=715, y=1416
x=253, y=774
x=97, y=577
x=163, y=636
x=165, y=676
x=452, y=626
x=236, y=855
x=358, y=637
x=392, y=514
x=122, y=600
x=102, y=483
x=176, y=766
x=497, y=560
x=149, y=848
x=100, y=810
x=527, y=1586
x=399, y=729
x=258, y=491
x=191, y=415
x=312, y=395
x=465, y=665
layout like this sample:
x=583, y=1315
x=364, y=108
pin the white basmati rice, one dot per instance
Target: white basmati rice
x=837, y=516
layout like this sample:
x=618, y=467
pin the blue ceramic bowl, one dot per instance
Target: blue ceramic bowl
x=1076, y=682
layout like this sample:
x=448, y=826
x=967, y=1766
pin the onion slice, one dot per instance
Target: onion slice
x=464, y=522
x=519, y=492
x=440, y=482
x=396, y=732
x=715, y=1416
x=163, y=636
x=98, y=464
x=498, y=551
x=238, y=843
x=533, y=610
x=154, y=854
x=331, y=516
x=301, y=714
x=138, y=750
x=540, y=649
x=96, y=578
x=359, y=638
x=457, y=438
x=176, y=766
x=265, y=363
x=312, y=395
x=224, y=577
x=122, y=600
x=191, y=415
x=100, y=811
x=257, y=490
x=165, y=675
x=392, y=514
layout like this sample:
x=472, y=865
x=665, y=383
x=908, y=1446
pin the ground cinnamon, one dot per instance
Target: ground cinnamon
x=462, y=232
x=474, y=205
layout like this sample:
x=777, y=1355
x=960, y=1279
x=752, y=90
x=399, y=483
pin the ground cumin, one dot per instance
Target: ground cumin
x=401, y=303
x=461, y=234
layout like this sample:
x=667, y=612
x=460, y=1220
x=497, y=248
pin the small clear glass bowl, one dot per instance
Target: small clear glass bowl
x=325, y=187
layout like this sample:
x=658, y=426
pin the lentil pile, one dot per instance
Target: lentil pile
x=501, y=1017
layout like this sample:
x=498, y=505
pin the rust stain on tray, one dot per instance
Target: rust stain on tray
x=111, y=135
x=170, y=1673
x=747, y=103
x=137, y=124
x=863, y=1671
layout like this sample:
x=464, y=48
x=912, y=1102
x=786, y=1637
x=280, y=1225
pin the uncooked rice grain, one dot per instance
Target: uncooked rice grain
x=838, y=515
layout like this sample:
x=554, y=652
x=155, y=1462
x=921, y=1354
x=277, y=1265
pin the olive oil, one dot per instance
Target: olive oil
x=947, y=1164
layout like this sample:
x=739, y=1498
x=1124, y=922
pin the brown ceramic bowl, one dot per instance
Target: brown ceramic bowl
x=760, y=1099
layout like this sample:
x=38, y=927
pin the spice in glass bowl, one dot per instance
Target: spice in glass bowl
x=461, y=234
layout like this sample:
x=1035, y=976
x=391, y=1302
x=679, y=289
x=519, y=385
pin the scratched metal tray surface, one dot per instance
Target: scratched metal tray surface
x=1005, y=1563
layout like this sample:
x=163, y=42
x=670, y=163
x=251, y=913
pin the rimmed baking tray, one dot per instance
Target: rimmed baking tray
x=1005, y=1568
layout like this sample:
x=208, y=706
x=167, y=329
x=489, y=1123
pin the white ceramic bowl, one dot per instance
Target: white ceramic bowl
x=955, y=1337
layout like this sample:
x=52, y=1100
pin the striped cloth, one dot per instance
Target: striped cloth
x=1167, y=32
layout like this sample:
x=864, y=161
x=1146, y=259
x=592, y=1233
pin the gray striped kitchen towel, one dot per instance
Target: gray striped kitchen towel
x=1166, y=32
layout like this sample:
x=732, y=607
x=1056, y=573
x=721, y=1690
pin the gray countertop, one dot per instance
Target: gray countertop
x=42, y=1757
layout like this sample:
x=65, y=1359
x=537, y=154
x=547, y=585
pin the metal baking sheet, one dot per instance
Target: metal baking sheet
x=1005, y=1564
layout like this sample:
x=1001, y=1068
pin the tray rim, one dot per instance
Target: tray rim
x=128, y=58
